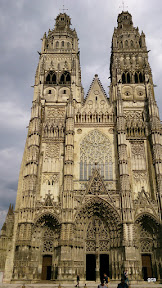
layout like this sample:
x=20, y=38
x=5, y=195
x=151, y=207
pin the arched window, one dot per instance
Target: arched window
x=62, y=79
x=136, y=77
x=54, y=79
x=131, y=43
x=48, y=78
x=62, y=43
x=51, y=78
x=65, y=78
x=121, y=44
x=57, y=44
x=140, y=77
x=126, y=43
x=128, y=77
x=68, y=77
x=123, y=78
x=68, y=45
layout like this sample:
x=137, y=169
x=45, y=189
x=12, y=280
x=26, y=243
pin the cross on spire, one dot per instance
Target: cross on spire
x=123, y=5
x=63, y=9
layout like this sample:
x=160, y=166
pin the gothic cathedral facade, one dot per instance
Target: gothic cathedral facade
x=90, y=187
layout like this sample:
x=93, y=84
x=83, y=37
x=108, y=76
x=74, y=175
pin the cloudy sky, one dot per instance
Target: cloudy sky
x=22, y=25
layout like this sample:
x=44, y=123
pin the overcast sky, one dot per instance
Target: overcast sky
x=22, y=25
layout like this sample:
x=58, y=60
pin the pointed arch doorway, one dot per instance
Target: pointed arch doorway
x=97, y=249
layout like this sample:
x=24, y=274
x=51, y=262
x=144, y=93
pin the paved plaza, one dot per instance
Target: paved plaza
x=88, y=285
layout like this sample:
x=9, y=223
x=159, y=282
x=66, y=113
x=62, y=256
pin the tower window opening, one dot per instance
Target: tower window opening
x=64, y=91
x=49, y=92
x=57, y=44
x=131, y=43
x=140, y=77
x=51, y=78
x=123, y=78
x=96, y=98
x=54, y=79
x=62, y=43
x=65, y=78
x=62, y=79
x=136, y=77
x=48, y=78
x=128, y=77
x=68, y=77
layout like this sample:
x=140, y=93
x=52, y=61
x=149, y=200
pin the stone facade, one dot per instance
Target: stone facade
x=90, y=186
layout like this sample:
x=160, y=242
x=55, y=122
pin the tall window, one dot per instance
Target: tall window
x=51, y=78
x=96, y=151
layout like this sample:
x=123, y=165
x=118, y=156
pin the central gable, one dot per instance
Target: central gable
x=96, y=99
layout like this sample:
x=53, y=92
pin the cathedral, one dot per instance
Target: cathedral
x=89, y=194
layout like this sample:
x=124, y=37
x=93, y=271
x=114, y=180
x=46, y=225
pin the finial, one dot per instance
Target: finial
x=63, y=9
x=123, y=6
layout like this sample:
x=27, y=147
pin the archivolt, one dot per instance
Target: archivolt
x=101, y=208
x=47, y=218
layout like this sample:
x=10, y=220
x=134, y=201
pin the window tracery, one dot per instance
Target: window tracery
x=65, y=78
x=126, y=78
x=96, y=152
x=50, y=78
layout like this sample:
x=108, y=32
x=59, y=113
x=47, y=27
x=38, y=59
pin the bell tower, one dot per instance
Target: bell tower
x=46, y=175
x=138, y=125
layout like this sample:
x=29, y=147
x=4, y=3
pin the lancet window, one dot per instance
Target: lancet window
x=126, y=78
x=138, y=77
x=96, y=152
x=65, y=78
x=51, y=78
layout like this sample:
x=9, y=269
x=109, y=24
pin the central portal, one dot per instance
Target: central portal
x=91, y=267
x=46, y=267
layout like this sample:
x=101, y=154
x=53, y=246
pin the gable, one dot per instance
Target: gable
x=96, y=99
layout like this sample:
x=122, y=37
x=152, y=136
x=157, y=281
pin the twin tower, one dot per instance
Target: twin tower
x=90, y=187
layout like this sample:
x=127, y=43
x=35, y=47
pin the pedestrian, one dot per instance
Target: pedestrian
x=122, y=284
x=78, y=279
x=106, y=279
x=102, y=285
x=126, y=277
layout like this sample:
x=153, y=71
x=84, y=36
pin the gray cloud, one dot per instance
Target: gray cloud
x=22, y=24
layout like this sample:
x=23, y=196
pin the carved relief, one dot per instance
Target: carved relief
x=55, y=112
x=50, y=178
x=138, y=149
x=139, y=176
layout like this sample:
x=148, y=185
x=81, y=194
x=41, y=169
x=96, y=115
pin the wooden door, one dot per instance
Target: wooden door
x=46, y=267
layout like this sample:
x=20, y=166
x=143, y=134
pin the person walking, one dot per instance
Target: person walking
x=78, y=279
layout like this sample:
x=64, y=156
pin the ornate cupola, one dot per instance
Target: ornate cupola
x=125, y=21
x=63, y=21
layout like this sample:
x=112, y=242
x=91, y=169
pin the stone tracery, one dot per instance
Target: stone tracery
x=96, y=150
